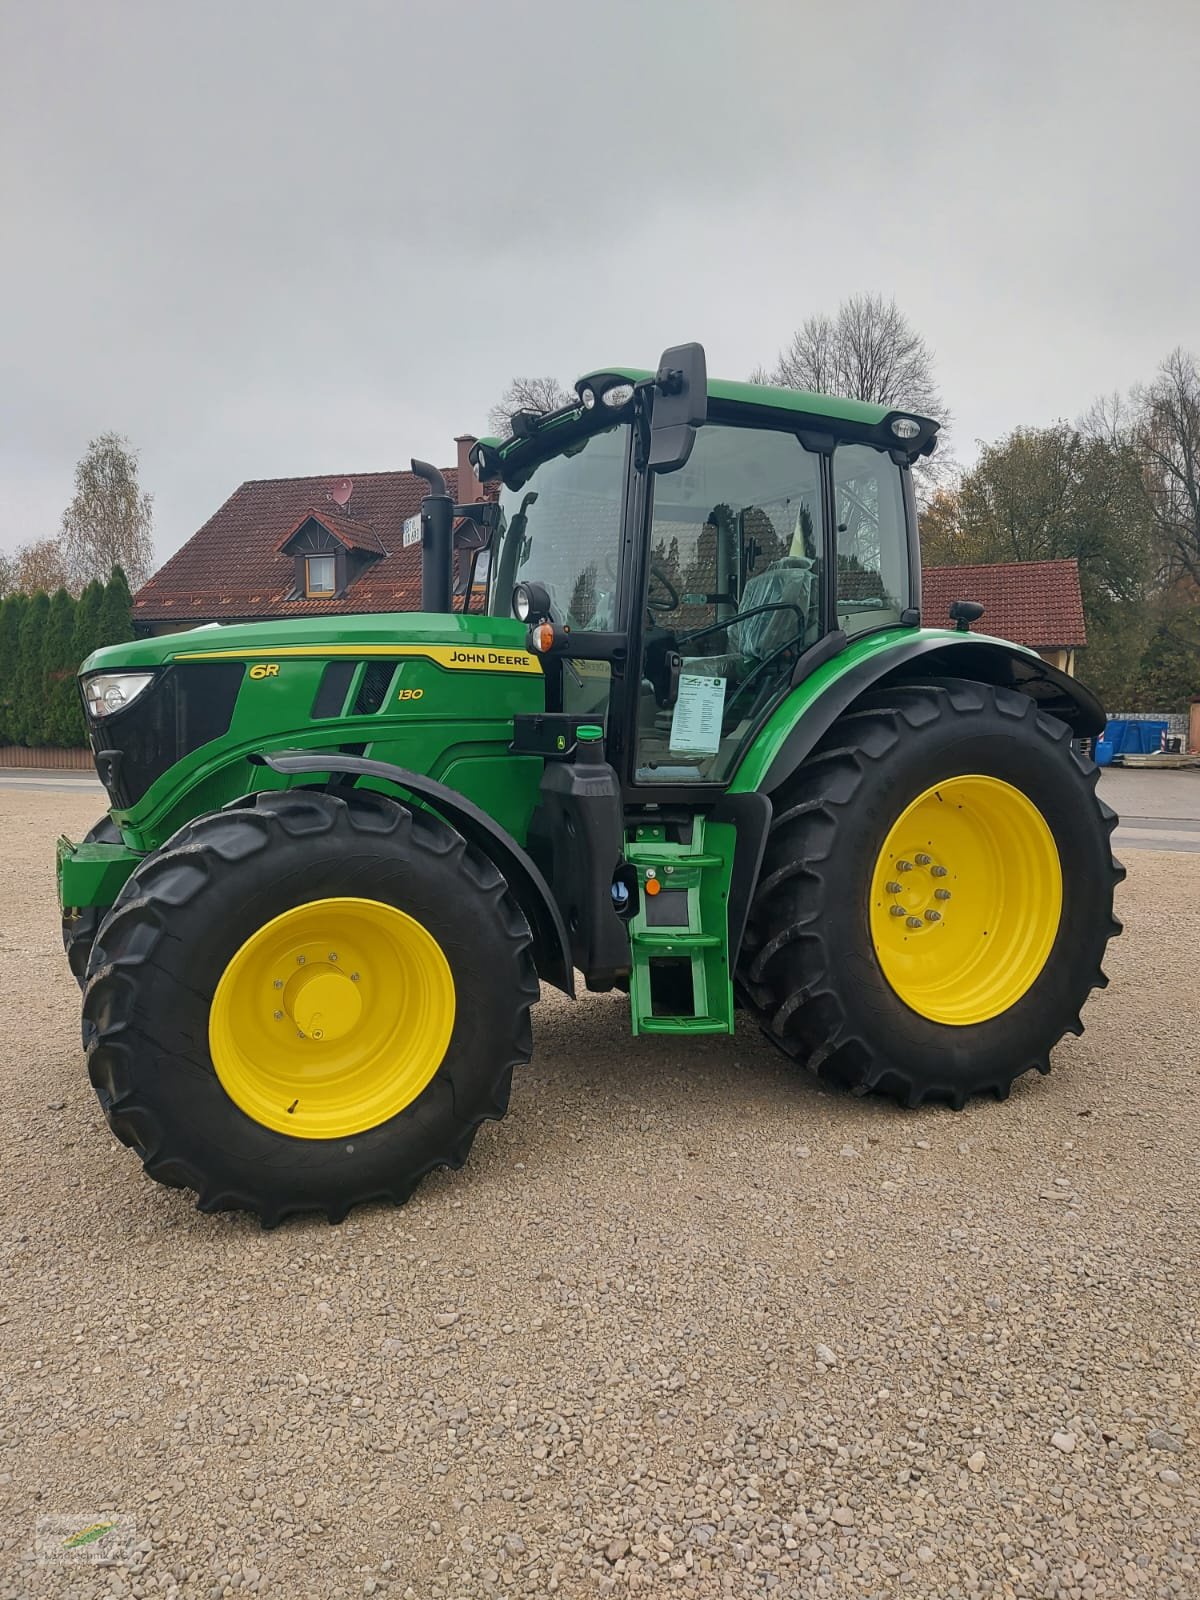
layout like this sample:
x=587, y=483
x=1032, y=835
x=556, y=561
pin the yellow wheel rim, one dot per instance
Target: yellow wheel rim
x=966, y=897
x=331, y=1018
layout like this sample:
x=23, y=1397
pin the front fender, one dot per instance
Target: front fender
x=811, y=709
x=552, y=950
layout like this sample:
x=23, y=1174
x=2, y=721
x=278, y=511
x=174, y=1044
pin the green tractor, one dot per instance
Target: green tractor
x=687, y=737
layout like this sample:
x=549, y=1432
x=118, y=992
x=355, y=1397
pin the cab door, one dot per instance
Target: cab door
x=733, y=593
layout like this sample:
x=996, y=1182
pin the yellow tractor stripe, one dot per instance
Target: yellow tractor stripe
x=453, y=657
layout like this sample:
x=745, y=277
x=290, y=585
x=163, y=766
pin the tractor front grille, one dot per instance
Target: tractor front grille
x=188, y=705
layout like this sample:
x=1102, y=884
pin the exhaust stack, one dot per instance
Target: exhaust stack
x=437, y=541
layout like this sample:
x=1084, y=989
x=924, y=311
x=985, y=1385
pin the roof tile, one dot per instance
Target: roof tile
x=1035, y=603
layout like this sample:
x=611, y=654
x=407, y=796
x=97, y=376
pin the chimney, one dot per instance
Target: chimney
x=467, y=485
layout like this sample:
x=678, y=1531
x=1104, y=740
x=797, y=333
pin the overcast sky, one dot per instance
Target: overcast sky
x=301, y=237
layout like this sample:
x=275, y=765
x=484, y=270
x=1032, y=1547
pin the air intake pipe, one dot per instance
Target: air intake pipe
x=437, y=541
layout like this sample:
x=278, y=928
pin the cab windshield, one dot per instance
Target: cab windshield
x=562, y=528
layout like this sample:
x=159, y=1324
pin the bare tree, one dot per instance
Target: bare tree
x=1167, y=435
x=7, y=570
x=868, y=351
x=109, y=521
x=526, y=394
x=41, y=566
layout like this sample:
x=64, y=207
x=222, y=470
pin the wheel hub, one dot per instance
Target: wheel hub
x=323, y=1002
x=918, y=892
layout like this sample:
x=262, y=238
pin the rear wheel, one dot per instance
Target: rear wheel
x=936, y=895
x=307, y=1003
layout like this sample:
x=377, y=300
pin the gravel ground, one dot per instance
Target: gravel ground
x=685, y=1325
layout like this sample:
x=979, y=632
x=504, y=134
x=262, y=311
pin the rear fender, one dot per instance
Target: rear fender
x=818, y=702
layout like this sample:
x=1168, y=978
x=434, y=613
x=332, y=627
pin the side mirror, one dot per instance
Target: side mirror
x=680, y=406
x=963, y=613
x=474, y=531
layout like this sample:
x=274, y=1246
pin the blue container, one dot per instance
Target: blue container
x=1103, y=753
x=1117, y=735
x=1135, y=738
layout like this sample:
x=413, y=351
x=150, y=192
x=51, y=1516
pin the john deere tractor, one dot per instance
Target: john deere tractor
x=686, y=735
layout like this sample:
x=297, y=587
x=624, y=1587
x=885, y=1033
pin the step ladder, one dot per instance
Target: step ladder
x=680, y=980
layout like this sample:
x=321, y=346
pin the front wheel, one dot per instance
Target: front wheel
x=308, y=1002
x=936, y=895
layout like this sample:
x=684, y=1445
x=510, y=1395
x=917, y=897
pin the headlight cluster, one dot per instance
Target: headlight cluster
x=106, y=692
x=614, y=394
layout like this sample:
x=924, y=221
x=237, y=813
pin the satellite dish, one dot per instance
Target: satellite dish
x=341, y=492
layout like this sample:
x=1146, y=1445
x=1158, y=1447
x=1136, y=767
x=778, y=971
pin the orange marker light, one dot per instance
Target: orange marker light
x=541, y=637
x=652, y=886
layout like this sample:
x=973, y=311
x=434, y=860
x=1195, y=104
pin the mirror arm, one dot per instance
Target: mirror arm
x=486, y=512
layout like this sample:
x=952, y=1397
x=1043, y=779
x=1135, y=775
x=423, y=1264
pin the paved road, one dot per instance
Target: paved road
x=1159, y=810
x=53, y=782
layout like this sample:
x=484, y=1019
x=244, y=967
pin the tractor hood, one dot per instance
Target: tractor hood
x=177, y=723
x=372, y=633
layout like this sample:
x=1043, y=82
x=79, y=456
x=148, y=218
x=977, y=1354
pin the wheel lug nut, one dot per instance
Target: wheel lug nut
x=333, y=955
x=279, y=1016
x=939, y=872
x=904, y=866
x=279, y=983
x=941, y=894
x=933, y=916
x=892, y=888
x=300, y=960
x=913, y=922
x=354, y=977
x=897, y=911
x=924, y=860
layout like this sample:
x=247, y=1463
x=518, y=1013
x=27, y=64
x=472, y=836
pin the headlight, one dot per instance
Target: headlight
x=617, y=394
x=531, y=602
x=106, y=692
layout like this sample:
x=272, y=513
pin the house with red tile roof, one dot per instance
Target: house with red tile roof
x=283, y=547
x=1035, y=603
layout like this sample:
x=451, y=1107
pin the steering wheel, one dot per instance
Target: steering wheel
x=671, y=600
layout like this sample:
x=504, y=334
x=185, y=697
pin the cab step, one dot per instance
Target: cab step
x=684, y=1025
x=680, y=980
x=668, y=942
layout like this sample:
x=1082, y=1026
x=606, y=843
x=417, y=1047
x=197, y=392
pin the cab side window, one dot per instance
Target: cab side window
x=873, y=582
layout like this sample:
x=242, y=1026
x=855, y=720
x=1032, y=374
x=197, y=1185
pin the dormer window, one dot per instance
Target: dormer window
x=320, y=577
x=330, y=552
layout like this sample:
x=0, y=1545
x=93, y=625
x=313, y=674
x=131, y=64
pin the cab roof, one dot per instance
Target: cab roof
x=804, y=401
x=847, y=419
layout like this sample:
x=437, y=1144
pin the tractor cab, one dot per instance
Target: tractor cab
x=679, y=547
